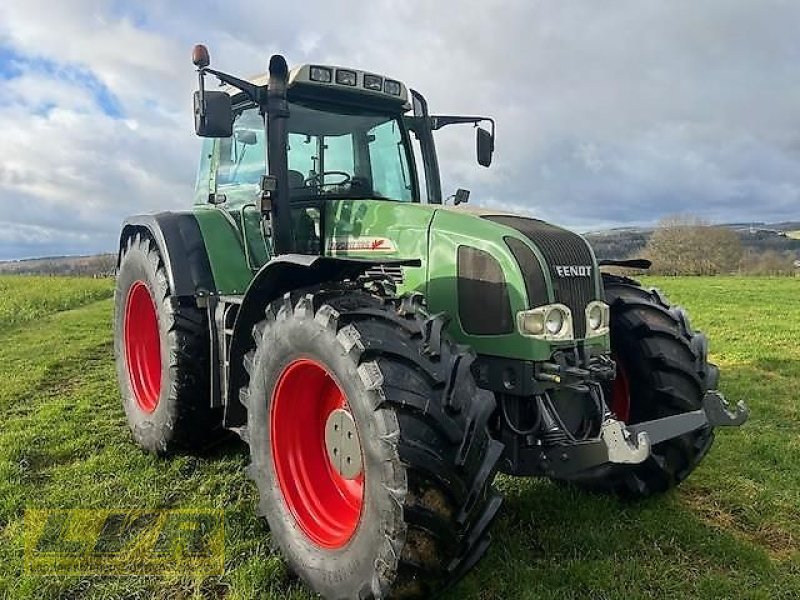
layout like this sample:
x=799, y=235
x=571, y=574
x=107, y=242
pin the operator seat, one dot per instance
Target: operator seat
x=296, y=180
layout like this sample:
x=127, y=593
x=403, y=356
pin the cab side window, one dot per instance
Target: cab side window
x=390, y=173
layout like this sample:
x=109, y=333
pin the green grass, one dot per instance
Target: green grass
x=24, y=299
x=732, y=530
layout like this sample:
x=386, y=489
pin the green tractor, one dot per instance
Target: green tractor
x=384, y=353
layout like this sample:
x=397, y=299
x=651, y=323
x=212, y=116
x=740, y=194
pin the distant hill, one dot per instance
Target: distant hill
x=624, y=242
x=98, y=265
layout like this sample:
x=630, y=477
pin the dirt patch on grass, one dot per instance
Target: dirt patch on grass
x=779, y=544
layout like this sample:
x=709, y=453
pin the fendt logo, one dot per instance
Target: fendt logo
x=361, y=244
x=573, y=271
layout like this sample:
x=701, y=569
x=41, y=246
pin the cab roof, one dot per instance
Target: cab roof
x=325, y=80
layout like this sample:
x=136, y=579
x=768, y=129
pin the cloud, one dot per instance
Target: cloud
x=608, y=113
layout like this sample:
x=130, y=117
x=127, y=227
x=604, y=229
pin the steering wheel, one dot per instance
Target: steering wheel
x=317, y=179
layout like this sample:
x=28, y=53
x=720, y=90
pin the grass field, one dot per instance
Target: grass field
x=731, y=531
x=24, y=299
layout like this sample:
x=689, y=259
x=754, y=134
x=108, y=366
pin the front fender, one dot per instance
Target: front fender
x=282, y=274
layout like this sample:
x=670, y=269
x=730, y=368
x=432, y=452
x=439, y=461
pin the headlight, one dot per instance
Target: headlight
x=392, y=87
x=550, y=322
x=320, y=74
x=373, y=82
x=597, y=318
x=554, y=322
x=346, y=77
x=531, y=322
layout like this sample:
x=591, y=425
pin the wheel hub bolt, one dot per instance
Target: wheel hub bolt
x=341, y=442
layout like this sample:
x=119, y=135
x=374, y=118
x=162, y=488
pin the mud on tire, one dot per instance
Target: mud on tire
x=173, y=411
x=666, y=365
x=428, y=458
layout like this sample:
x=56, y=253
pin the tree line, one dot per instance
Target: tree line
x=687, y=245
x=99, y=265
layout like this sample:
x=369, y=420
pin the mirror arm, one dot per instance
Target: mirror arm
x=256, y=93
x=439, y=121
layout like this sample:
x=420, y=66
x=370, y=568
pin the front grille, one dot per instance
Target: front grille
x=392, y=272
x=484, y=307
x=560, y=247
x=535, y=286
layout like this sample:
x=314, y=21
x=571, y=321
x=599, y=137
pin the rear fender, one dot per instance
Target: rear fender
x=282, y=274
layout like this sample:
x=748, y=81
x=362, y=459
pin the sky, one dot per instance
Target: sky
x=609, y=112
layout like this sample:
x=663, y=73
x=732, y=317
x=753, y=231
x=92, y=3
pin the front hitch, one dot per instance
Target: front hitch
x=622, y=445
x=716, y=412
x=632, y=444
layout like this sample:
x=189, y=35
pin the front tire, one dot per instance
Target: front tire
x=413, y=515
x=662, y=370
x=161, y=347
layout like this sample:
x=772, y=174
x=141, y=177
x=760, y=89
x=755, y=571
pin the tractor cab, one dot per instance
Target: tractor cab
x=332, y=152
x=347, y=134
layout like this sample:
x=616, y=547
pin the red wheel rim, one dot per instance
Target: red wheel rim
x=621, y=394
x=142, y=347
x=325, y=505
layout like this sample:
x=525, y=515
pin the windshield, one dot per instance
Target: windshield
x=330, y=154
x=341, y=155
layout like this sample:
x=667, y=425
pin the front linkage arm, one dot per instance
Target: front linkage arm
x=631, y=444
x=716, y=412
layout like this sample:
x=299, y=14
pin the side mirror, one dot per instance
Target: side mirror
x=484, y=142
x=213, y=116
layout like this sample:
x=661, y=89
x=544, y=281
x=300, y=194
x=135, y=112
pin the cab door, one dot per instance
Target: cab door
x=240, y=161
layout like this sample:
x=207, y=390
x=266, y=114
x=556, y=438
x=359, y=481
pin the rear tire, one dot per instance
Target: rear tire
x=423, y=500
x=162, y=354
x=662, y=370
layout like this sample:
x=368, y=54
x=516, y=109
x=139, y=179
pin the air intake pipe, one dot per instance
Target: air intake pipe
x=277, y=143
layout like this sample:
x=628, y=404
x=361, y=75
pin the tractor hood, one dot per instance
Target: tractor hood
x=483, y=265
